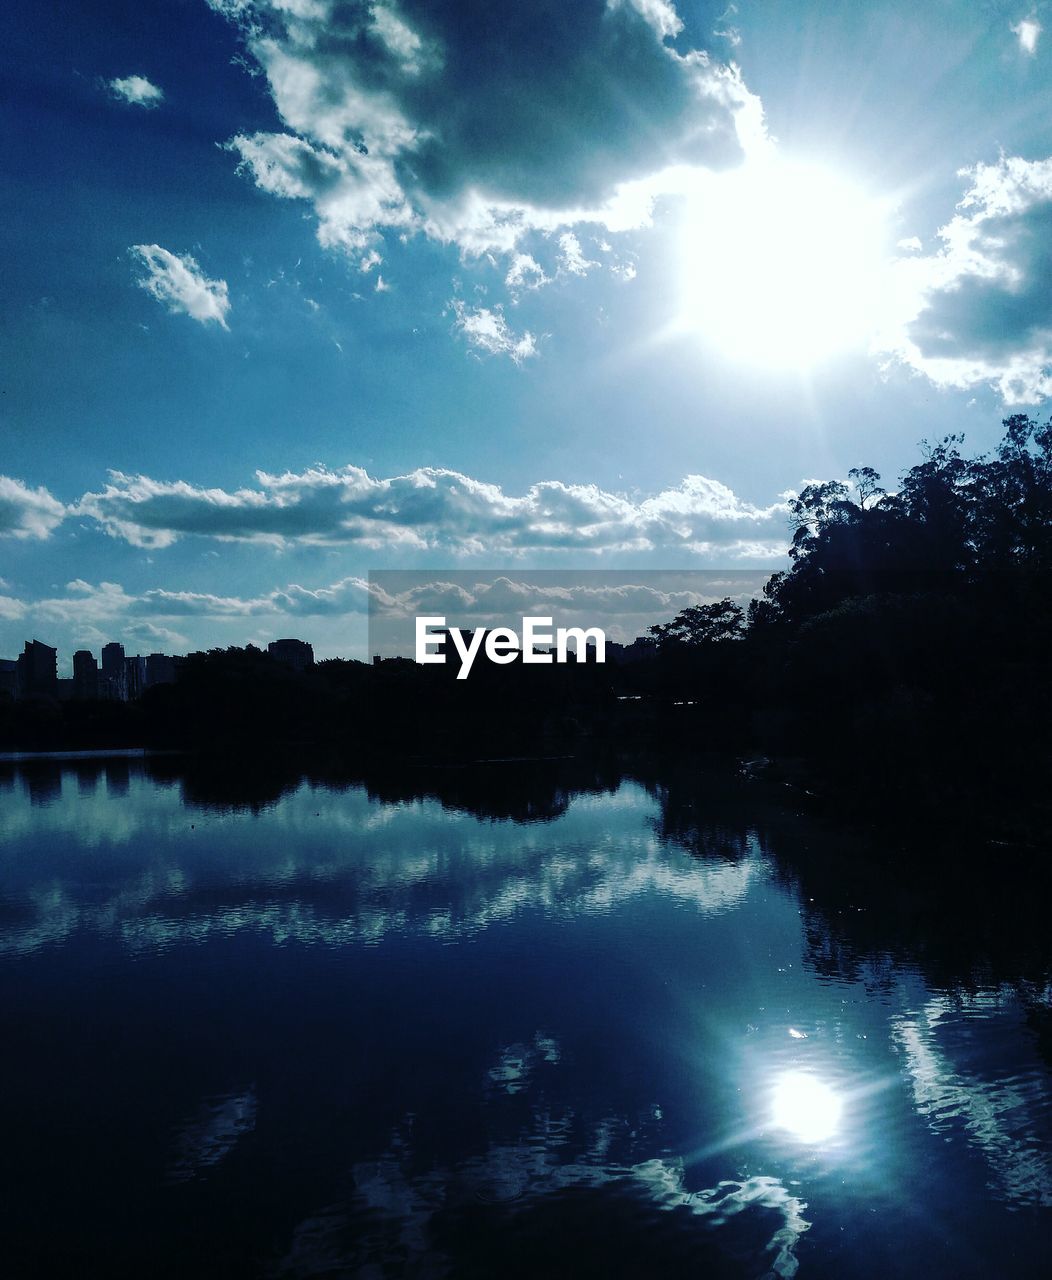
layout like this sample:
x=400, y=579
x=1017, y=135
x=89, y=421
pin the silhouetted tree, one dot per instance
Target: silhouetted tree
x=701, y=624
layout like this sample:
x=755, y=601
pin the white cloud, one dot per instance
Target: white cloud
x=149, y=636
x=487, y=329
x=728, y=31
x=979, y=311
x=659, y=14
x=400, y=39
x=503, y=599
x=1027, y=31
x=96, y=613
x=137, y=90
x=84, y=607
x=525, y=273
x=433, y=508
x=89, y=607
x=571, y=256
x=180, y=284
x=27, y=513
x=420, y=118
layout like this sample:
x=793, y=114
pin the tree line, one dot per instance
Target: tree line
x=900, y=663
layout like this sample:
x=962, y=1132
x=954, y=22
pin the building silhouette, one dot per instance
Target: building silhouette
x=112, y=683
x=38, y=670
x=297, y=654
x=118, y=677
x=134, y=678
x=85, y=674
x=160, y=669
x=9, y=676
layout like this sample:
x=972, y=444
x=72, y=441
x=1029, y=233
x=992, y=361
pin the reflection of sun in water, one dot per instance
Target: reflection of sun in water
x=783, y=264
x=805, y=1107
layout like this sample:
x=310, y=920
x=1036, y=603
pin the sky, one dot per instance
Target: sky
x=296, y=290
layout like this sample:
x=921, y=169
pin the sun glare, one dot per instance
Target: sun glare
x=805, y=1107
x=783, y=264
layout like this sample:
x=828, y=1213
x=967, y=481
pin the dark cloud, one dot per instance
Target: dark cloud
x=985, y=317
x=982, y=310
x=476, y=122
x=552, y=103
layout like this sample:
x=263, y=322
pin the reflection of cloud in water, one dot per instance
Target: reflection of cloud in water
x=600, y=883
x=354, y=874
x=48, y=914
x=210, y=1134
x=394, y=1208
x=398, y=1197
x=999, y=1116
x=401, y=1204
x=515, y=1066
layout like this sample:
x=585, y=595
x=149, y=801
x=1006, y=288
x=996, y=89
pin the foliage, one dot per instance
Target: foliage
x=701, y=624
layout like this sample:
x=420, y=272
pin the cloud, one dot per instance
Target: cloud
x=659, y=14
x=180, y=284
x=434, y=508
x=1027, y=31
x=349, y=595
x=84, y=603
x=90, y=607
x=727, y=30
x=154, y=619
x=87, y=606
x=136, y=90
x=979, y=310
x=571, y=257
x=475, y=124
x=28, y=513
x=147, y=635
x=487, y=330
x=504, y=599
x=525, y=273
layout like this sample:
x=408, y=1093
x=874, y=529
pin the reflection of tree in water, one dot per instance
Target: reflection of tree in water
x=228, y=784
x=516, y=790
x=976, y=916
x=711, y=812
x=519, y=791
x=873, y=903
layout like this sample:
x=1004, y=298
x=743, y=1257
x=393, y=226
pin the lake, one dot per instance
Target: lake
x=533, y=1020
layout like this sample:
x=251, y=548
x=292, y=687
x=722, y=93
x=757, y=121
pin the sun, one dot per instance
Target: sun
x=783, y=265
x=806, y=1107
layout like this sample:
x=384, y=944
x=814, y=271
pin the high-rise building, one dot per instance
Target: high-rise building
x=113, y=671
x=85, y=674
x=160, y=669
x=297, y=654
x=9, y=676
x=38, y=670
x=134, y=677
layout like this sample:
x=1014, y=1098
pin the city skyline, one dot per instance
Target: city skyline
x=115, y=675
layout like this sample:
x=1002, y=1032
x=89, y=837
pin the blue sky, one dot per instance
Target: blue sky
x=295, y=289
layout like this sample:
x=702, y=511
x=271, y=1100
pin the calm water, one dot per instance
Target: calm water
x=505, y=1026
